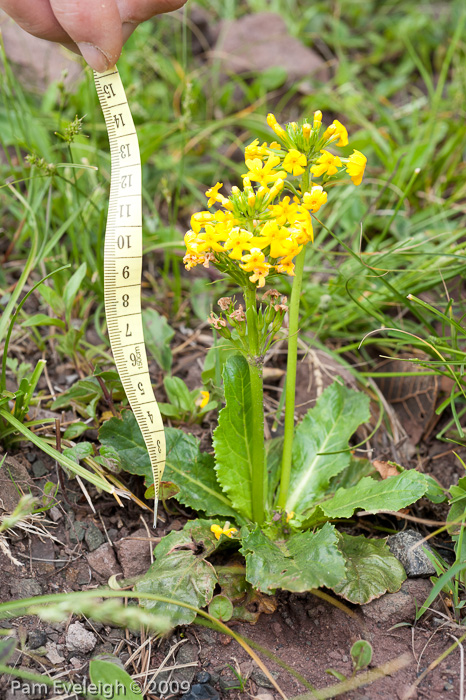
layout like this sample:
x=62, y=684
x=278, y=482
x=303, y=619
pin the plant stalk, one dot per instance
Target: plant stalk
x=291, y=364
x=255, y=361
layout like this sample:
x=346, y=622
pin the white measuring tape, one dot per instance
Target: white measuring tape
x=123, y=268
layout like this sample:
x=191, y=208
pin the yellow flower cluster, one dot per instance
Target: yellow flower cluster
x=254, y=233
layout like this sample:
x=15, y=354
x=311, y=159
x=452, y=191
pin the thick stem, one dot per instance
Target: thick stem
x=257, y=395
x=291, y=379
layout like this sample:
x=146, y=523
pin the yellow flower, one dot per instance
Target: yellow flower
x=205, y=399
x=356, y=166
x=199, y=219
x=276, y=237
x=259, y=274
x=304, y=228
x=213, y=194
x=289, y=516
x=275, y=126
x=264, y=173
x=238, y=240
x=317, y=119
x=191, y=260
x=327, y=164
x=285, y=211
x=336, y=130
x=295, y=162
x=219, y=531
x=210, y=240
x=255, y=151
x=314, y=199
x=255, y=258
x=191, y=242
x=285, y=266
x=307, y=131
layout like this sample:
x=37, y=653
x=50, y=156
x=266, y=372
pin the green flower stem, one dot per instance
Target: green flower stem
x=255, y=361
x=291, y=379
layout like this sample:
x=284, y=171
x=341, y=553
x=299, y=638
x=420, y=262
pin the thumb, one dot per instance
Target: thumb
x=94, y=26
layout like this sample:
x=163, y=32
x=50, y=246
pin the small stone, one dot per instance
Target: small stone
x=134, y=553
x=345, y=659
x=227, y=683
x=53, y=653
x=103, y=561
x=203, y=677
x=77, y=532
x=264, y=696
x=39, y=469
x=79, y=639
x=261, y=680
x=31, y=457
x=55, y=514
x=93, y=537
x=448, y=686
x=201, y=691
x=25, y=588
x=399, y=606
x=416, y=563
x=36, y=639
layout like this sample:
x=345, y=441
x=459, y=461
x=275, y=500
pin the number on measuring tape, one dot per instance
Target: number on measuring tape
x=123, y=269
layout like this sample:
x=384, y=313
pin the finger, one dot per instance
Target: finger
x=133, y=12
x=36, y=18
x=95, y=27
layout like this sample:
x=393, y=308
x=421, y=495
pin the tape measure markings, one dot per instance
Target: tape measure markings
x=123, y=265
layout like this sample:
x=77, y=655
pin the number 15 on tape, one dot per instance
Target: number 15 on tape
x=123, y=268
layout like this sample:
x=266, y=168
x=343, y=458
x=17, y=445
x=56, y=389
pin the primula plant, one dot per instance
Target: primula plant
x=275, y=500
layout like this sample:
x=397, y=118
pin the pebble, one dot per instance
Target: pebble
x=77, y=532
x=53, y=653
x=79, y=639
x=399, y=606
x=448, y=686
x=201, y=691
x=36, y=639
x=103, y=561
x=39, y=469
x=93, y=537
x=25, y=588
x=55, y=514
x=416, y=563
x=134, y=554
x=261, y=680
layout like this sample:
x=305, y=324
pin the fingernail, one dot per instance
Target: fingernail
x=94, y=56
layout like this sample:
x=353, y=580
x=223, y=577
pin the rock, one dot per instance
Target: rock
x=399, y=606
x=261, y=680
x=36, y=639
x=201, y=691
x=134, y=554
x=55, y=514
x=93, y=537
x=39, y=469
x=203, y=677
x=414, y=560
x=43, y=554
x=25, y=588
x=14, y=478
x=187, y=654
x=258, y=42
x=227, y=683
x=79, y=639
x=53, y=653
x=76, y=532
x=264, y=696
x=103, y=561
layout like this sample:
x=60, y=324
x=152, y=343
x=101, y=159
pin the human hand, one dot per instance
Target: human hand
x=97, y=29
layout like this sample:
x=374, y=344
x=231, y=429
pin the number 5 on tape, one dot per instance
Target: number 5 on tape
x=123, y=268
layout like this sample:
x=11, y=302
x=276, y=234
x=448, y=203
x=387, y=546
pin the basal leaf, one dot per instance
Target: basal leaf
x=108, y=674
x=371, y=569
x=390, y=494
x=233, y=436
x=194, y=474
x=325, y=429
x=307, y=560
x=192, y=471
x=181, y=572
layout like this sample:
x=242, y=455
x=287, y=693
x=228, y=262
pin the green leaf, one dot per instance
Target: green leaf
x=158, y=335
x=79, y=451
x=221, y=607
x=371, y=569
x=326, y=428
x=43, y=320
x=72, y=288
x=215, y=361
x=233, y=436
x=361, y=653
x=179, y=394
x=390, y=494
x=192, y=471
x=194, y=474
x=82, y=396
x=306, y=560
x=75, y=430
x=181, y=572
x=125, y=437
x=107, y=674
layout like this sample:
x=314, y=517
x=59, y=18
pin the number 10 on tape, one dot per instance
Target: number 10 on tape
x=123, y=268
